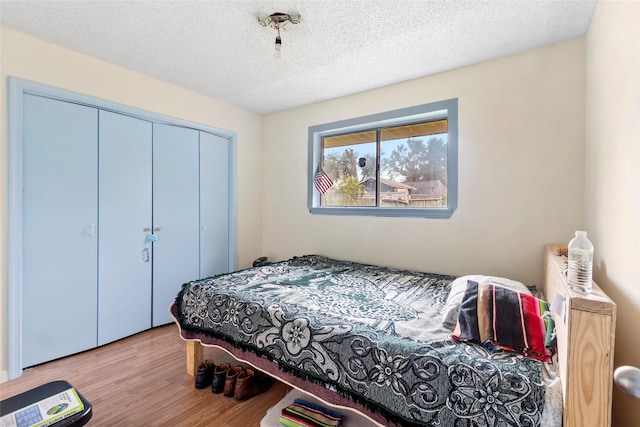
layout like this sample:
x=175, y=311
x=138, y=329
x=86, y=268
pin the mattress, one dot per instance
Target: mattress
x=371, y=335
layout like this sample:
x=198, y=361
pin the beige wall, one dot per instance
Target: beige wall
x=521, y=165
x=32, y=59
x=612, y=183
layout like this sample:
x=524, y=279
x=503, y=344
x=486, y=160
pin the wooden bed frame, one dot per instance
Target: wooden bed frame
x=586, y=336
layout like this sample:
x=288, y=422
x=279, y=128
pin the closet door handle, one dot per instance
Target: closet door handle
x=149, y=238
x=157, y=229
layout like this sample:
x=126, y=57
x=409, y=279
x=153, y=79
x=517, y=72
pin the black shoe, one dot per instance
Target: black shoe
x=219, y=377
x=204, y=376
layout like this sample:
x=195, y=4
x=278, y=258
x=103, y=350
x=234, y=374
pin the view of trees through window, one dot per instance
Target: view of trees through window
x=399, y=166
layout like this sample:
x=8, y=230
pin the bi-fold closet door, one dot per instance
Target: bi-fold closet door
x=176, y=189
x=59, y=223
x=190, y=211
x=118, y=213
x=149, y=219
x=125, y=211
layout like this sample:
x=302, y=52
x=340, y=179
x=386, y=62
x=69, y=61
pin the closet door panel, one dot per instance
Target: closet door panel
x=124, y=273
x=175, y=215
x=214, y=205
x=60, y=218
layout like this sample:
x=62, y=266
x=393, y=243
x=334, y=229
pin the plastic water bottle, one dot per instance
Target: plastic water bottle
x=580, y=263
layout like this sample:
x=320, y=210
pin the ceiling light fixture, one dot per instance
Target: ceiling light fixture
x=277, y=21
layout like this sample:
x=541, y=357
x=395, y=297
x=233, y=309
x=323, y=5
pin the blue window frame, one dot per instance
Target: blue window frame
x=397, y=163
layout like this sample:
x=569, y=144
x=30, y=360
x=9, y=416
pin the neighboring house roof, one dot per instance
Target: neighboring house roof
x=428, y=188
x=391, y=183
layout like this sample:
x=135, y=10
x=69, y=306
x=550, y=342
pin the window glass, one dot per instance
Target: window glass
x=398, y=166
x=413, y=165
x=349, y=160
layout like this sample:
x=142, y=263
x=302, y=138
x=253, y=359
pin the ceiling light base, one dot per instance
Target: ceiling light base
x=277, y=19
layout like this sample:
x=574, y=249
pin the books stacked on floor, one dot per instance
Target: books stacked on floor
x=350, y=418
x=45, y=412
x=302, y=413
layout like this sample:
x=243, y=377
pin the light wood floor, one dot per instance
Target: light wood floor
x=142, y=381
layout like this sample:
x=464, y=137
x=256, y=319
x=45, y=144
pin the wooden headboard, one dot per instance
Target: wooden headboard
x=586, y=337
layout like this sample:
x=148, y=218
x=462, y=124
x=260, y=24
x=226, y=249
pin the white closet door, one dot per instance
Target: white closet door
x=175, y=215
x=60, y=217
x=214, y=205
x=124, y=271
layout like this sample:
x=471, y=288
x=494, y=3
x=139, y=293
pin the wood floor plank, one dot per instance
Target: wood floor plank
x=142, y=381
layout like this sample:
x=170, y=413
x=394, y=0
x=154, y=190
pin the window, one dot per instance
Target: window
x=398, y=163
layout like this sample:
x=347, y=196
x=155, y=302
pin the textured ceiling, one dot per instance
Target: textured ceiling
x=217, y=48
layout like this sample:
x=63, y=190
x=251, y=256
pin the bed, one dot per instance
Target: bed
x=375, y=340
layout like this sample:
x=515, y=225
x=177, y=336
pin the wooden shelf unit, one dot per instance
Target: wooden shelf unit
x=586, y=338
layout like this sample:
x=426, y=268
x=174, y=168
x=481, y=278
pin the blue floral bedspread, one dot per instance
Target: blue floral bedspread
x=373, y=334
